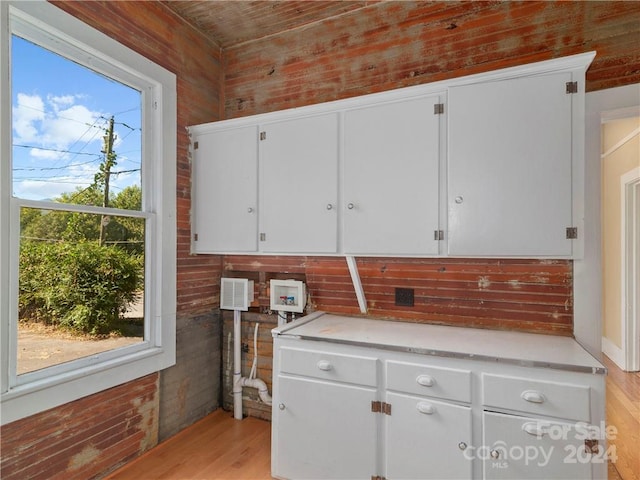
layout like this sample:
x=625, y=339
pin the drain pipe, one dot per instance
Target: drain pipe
x=238, y=380
x=263, y=391
x=237, y=366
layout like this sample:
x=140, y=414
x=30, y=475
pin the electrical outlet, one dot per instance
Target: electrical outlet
x=404, y=297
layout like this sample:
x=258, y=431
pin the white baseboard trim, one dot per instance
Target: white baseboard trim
x=615, y=353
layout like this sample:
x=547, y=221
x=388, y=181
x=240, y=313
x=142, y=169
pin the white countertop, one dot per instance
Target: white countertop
x=528, y=349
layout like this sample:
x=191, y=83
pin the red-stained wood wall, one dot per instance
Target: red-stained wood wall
x=507, y=294
x=85, y=438
x=385, y=46
x=389, y=45
x=88, y=437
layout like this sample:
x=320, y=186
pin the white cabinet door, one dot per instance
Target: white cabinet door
x=225, y=191
x=526, y=448
x=427, y=439
x=324, y=430
x=390, y=189
x=299, y=185
x=509, y=167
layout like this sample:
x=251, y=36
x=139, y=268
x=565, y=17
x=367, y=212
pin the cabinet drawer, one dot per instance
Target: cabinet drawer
x=329, y=366
x=525, y=447
x=448, y=383
x=563, y=400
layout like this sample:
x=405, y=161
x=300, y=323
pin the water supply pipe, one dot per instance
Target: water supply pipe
x=238, y=380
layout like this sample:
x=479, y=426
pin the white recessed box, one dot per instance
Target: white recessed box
x=288, y=296
x=236, y=293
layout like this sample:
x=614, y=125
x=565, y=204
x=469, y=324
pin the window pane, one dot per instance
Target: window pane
x=73, y=129
x=78, y=294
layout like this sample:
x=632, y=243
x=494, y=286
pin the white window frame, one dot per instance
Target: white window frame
x=30, y=393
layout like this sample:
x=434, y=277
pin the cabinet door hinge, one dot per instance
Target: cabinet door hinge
x=572, y=87
x=195, y=237
x=195, y=145
x=381, y=407
x=438, y=235
x=591, y=446
x=438, y=109
x=572, y=233
x=263, y=135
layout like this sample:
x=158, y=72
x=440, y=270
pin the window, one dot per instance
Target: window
x=72, y=208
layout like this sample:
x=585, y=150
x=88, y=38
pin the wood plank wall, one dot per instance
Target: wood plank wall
x=91, y=436
x=85, y=438
x=348, y=56
x=524, y=295
x=389, y=45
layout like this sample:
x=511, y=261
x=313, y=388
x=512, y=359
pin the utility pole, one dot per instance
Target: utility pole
x=105, y=170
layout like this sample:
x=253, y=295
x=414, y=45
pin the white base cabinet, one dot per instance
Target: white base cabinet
x=369, y=399
x=426, y=438
x=331, y=434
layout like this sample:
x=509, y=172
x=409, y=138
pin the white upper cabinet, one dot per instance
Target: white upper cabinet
x=487, y=165
x=225, y=190
x=510, y=167
x=299, y=185
x=390, y=178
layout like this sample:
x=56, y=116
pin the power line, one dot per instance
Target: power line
x=55, y=150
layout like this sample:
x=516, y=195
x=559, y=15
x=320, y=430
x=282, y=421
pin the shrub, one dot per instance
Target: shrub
x=83, y=287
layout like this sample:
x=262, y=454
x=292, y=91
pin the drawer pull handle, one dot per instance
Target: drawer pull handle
x=426, y=408
x=281, y=406
x=533, y=396
x=495, y=454
x=324, y=365
x=425, y=380
x=462, y=446
x=535, y=429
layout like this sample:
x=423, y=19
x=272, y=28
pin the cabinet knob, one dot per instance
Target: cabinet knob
x=535, y=428
x=426, y=408
x=249, y=210
x=425, y=380
x=324, y=365
x=281, y=406
x=329, y=206
x=350, y=206
x=462, y=446
x=533, y=396
x=459, y=199
x=495, y=454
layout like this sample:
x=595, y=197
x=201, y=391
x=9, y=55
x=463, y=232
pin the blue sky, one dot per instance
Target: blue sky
x=60, y=112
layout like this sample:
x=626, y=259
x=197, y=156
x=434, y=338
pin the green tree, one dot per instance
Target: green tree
x=82, y=287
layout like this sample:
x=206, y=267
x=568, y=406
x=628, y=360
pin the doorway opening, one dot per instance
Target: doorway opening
x=621, y=236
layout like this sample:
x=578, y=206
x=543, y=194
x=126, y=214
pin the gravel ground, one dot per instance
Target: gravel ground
x=40, y=347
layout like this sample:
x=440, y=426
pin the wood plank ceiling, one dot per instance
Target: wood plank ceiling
x=232, y=22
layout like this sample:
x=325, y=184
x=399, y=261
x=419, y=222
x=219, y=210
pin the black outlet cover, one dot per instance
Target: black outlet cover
x=404, y=297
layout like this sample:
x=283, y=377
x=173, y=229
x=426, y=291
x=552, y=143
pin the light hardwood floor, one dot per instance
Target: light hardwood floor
x=221, y=448
x=623, y=412
x=215, y=448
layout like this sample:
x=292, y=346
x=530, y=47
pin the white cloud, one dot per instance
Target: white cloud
x=46, y=154
x=53, y=126
x=61, y=101
x=57, y=122
x=27, y=116
x=38, y=190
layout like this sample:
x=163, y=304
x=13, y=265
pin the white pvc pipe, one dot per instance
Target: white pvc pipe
x=263, y=391
x=238, y=380
x=254, y=365
x=237, y=366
